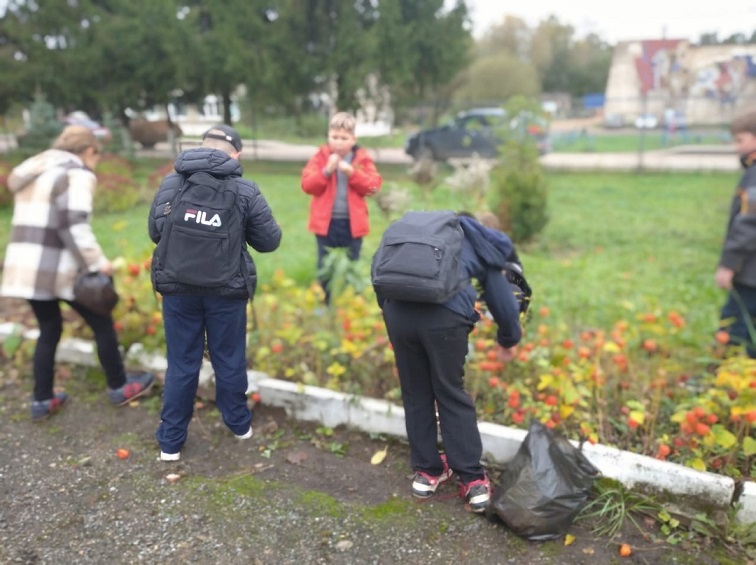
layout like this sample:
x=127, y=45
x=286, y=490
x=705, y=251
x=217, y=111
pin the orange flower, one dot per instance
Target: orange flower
x=625, y=550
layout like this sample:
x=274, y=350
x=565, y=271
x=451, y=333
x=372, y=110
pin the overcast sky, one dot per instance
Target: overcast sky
x=619, y=21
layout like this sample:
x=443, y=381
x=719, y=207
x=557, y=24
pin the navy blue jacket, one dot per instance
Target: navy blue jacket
x=485, y=252
x=262, y=232
x=484, y=255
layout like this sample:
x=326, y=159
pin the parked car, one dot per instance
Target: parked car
x=646, y=121
x=80, y=118
x=474, y=131
x=40, y=133
x=614, y=121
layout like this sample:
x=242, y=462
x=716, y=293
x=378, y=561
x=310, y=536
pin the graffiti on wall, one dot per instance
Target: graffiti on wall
x=674, y=70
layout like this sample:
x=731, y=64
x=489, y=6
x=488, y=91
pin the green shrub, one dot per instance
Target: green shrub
x=519, y=193
x=519, y=190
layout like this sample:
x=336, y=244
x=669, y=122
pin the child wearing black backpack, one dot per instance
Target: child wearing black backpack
x=202, y=219
x=430, y=342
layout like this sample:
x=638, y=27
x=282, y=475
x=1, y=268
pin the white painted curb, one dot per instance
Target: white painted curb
x=500, y=443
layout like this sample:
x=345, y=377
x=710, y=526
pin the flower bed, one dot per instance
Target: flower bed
x=636, y=385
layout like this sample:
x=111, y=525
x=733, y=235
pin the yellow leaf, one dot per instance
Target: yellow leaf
x=611, y=347
x=566, y=411
x=749, y=446
x=569, y=539
x=379, y=456
x=638, y=416
x=697, y=464
x=545, y=382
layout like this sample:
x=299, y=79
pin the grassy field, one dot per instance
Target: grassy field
x=614, y=244
x=633, y=140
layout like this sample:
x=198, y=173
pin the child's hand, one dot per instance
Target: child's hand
x=346, y=168
x=333, y=161
x=723, y=277
x=506, y=354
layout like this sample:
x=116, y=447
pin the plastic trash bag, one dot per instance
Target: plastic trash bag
x=544, y=487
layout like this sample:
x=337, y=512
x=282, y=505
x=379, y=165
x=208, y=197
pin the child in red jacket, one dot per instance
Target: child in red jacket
x=339, y=177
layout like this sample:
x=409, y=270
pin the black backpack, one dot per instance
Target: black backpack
x=418, y=258
x=203, y=238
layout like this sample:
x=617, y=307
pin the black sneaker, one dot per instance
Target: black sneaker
x=476, y=493
x=425, y=485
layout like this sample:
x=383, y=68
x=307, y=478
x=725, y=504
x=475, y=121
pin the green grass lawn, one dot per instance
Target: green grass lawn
x=614, y=243
x=632, y=141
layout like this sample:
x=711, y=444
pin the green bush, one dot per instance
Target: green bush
x=519, y=193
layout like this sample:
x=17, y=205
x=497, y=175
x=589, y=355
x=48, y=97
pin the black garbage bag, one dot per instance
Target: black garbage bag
x=544, y=487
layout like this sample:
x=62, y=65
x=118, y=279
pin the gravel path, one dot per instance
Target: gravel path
x=294, y=493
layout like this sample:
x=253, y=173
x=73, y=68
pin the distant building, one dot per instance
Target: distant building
x=670, y=77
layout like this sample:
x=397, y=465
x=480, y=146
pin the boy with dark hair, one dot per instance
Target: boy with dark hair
x=339, y=177
x=736, y=272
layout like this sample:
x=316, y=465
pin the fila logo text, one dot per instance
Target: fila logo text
x=200, y=217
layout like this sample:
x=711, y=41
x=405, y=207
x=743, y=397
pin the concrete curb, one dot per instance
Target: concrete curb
x=501, y=443
x=691, y=489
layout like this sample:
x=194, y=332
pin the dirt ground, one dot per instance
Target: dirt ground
x=294, y=493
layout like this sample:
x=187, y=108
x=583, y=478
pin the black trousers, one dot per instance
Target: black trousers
x=740, y=306
x=430, y=345
x=50, y=323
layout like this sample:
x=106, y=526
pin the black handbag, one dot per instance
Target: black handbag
x=96, y=292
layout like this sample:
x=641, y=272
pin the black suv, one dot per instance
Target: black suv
x=473, y=131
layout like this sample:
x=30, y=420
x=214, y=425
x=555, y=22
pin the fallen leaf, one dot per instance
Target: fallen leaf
x=589, y=550
x=625, y=550
x=172, y=477
x=122, y=453
x=379, y=456
x=569, y=539
x=297, y=458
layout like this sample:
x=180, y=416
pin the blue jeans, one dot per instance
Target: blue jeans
x=187, y=320
x=740, y=305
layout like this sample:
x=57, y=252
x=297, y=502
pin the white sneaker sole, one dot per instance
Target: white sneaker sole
x=421, y=490
x=170, y=456
x=247, y=435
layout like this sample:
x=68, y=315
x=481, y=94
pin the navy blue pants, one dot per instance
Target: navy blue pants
x=50, y=322
x=740, y=306
x=187, y=320
x=339, y=235
x=430, y=345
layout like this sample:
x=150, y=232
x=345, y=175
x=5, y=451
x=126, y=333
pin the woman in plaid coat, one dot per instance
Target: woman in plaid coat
x=51, y=242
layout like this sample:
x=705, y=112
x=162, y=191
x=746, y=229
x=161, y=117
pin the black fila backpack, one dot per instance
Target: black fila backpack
x=203, y=239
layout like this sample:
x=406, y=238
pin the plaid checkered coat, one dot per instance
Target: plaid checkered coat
x=51, y=236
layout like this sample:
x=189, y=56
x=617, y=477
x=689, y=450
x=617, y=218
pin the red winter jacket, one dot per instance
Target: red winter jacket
x=364, y=181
